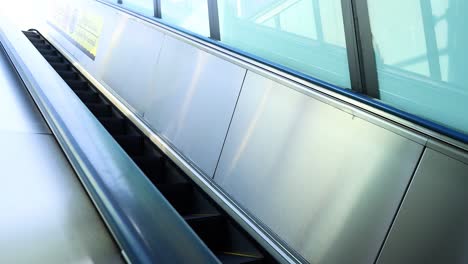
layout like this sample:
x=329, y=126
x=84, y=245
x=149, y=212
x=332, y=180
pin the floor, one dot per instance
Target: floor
x=47, y=216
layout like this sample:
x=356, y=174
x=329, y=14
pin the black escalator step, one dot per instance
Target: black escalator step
x=132, y=144
x=173, y=173
x=115, y=125
x=237, y=258
x=197, y=218
x=50, y=52
x=88, y=96
x=36, y=41
x=31, y=34
x=100, y=110
x=179, y=196
x=60, y=66
x=51, y=58
x=42, y=47
x=152, y=166
x=33, y=37
x=69, y=75
x=221, y=236
x=210, y=229
x=78, y=85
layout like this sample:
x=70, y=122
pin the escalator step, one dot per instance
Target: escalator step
x=213, y=229
x=152, y=166
x=31, y=34
x=100, y=110
x=51, y=58
x=42, y=47
x=210, y=229
x=115, y=125
x=179, y=195
x=88, y=96
x=235, y=258
x=132, y=144
x=69, y=75
x=61, y=66
x=50, y=52
x=37, y=41
x=79, y=85
x=197, y=218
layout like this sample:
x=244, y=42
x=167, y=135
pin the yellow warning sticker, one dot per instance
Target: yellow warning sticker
x=81, y=28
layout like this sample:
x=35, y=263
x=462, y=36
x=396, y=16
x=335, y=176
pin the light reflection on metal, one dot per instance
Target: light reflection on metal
x=302, y=156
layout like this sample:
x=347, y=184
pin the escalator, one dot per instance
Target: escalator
x=225, y=238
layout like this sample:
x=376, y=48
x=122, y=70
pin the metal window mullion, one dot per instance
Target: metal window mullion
x=359, y=46
x=157, y=8
x=432, y=50
x=213, y=15
x=318, y=20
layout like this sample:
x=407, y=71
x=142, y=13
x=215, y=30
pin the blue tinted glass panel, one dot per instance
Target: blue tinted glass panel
x=304, y=35
x=188, y=14
x=421, y=57
x=144, y=7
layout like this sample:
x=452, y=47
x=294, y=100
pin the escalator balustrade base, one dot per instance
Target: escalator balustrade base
x=216, y=229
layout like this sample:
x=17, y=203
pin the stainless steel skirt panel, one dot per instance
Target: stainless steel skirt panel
x=193, y=100
x=128, y=65
x=326, y=182
x=431, y=224
x=186, y=94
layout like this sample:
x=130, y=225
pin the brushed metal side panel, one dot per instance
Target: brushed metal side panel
x=431, y=224
x=325, y=182
x=129, y=63
x=193, y=101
